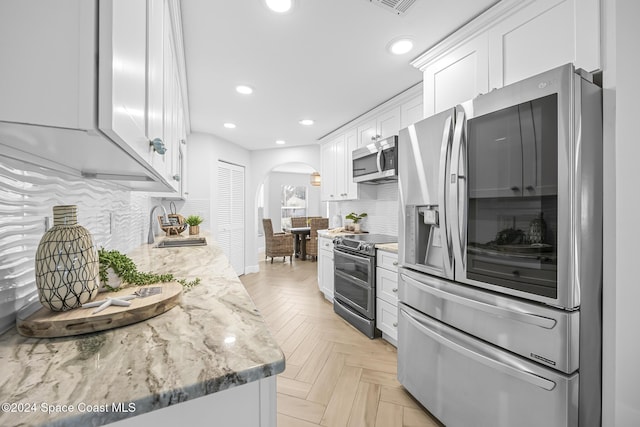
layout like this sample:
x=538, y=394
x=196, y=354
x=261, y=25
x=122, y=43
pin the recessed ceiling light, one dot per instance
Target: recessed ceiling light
x=279, y=6
x=306, y=122
x=400, y=46
x=244, y=89
x=230, y=125
x=280, y=142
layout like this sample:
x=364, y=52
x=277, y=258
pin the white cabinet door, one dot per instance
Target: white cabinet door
x=351, y=143
x=48, y=71
x=383, y=125
x=325, y=267
x=328, y=172
x=387, y=285
x=411, y=112
x=536, y=39
x=340, y=152
x=459, y=76
x=367, y=132
x=388, y=123
x=122, y=74
x=387, y=320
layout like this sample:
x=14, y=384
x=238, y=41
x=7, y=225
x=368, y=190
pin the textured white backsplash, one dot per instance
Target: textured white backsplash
x=117, y=219
x=380, y=202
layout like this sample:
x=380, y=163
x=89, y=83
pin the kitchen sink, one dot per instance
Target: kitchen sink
x=180, y=243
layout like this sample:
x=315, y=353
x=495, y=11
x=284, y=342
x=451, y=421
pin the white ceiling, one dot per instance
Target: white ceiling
x=325, y=60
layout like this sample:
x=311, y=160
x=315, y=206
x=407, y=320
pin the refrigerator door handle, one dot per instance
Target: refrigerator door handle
x=445, y=155
x=504, y=312
x=459, y=219
x=473, y=351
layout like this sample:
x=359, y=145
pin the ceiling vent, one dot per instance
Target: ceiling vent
x=398, y=7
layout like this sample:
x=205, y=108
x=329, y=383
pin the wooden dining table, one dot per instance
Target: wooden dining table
x=299, y=237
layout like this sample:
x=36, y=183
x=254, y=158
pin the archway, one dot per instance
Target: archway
x=269, y=197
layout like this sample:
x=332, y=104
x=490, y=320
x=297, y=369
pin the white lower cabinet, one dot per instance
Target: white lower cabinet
x=325, y=266
x=248, y=405
x=387, y=295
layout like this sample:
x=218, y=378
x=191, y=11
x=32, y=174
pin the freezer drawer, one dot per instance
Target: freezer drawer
x=466, y=382
x=542, y=334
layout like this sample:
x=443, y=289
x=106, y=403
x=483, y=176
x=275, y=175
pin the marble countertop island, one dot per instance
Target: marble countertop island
x=214, y=340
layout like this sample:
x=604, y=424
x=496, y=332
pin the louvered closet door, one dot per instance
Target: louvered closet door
x=231, y=213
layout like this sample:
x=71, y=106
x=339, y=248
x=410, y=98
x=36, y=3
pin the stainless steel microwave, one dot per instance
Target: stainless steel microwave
x=376, y=162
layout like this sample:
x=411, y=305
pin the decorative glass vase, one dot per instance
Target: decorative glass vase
x=67, y=263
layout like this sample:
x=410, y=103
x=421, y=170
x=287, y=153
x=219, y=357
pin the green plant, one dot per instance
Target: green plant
x=356, y=217
x=194, y=220
x=126, y=269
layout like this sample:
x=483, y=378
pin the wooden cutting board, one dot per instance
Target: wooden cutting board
x=40, y=322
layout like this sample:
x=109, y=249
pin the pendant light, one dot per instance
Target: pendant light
x=315, y=179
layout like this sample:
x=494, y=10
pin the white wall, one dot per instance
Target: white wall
x=621, y=344
x=204, y=152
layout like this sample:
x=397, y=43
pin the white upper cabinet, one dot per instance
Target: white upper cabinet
x=122, y=74
x=337, y=169
x=385, y=124
x=328, y=171
x=458, y=76
x=337, y=148
x=84, y=88
x=511, y=41
x=411, y=112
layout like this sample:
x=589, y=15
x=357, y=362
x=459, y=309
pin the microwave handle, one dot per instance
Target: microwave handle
x=458, y=178
x=379, y=160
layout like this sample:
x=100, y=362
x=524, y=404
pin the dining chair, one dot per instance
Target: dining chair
x=276, y=244
x=312, y=241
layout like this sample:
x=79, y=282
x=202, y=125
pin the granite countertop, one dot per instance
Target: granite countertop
x=213, y=340
x=388, y=247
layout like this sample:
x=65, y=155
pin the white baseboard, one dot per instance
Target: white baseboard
x=251, y=269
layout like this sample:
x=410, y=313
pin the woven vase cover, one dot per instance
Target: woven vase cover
x=67, y=263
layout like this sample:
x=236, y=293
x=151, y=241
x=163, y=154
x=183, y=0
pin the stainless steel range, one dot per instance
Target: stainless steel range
x=355, y=279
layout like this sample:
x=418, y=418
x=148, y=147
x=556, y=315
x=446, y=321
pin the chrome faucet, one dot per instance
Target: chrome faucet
x=165, y=220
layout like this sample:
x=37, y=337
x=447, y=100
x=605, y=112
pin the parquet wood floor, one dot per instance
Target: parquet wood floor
x=334, y=376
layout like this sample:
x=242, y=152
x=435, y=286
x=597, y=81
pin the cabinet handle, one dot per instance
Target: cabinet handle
x=395, y=263
x=395, y=289
x=530, y=188
x=176, y=178
x=515, y=188
x=158, y=146
x=395, y=324
x=326, y=244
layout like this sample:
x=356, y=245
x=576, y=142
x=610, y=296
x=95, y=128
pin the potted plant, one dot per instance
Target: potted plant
x=194, y=222
x=356, y=218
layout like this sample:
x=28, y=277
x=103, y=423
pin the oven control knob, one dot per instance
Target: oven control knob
x=364, y=247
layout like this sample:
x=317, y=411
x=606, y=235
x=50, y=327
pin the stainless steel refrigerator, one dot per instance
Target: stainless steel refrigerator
x=500, y=246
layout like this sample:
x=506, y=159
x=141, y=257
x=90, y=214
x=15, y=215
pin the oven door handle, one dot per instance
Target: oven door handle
x=504, y=312
x=362, y=258
x=352, y=280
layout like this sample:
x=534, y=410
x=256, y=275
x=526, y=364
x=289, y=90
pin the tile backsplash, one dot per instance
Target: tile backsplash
x=380, y=202
x=117, y=219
